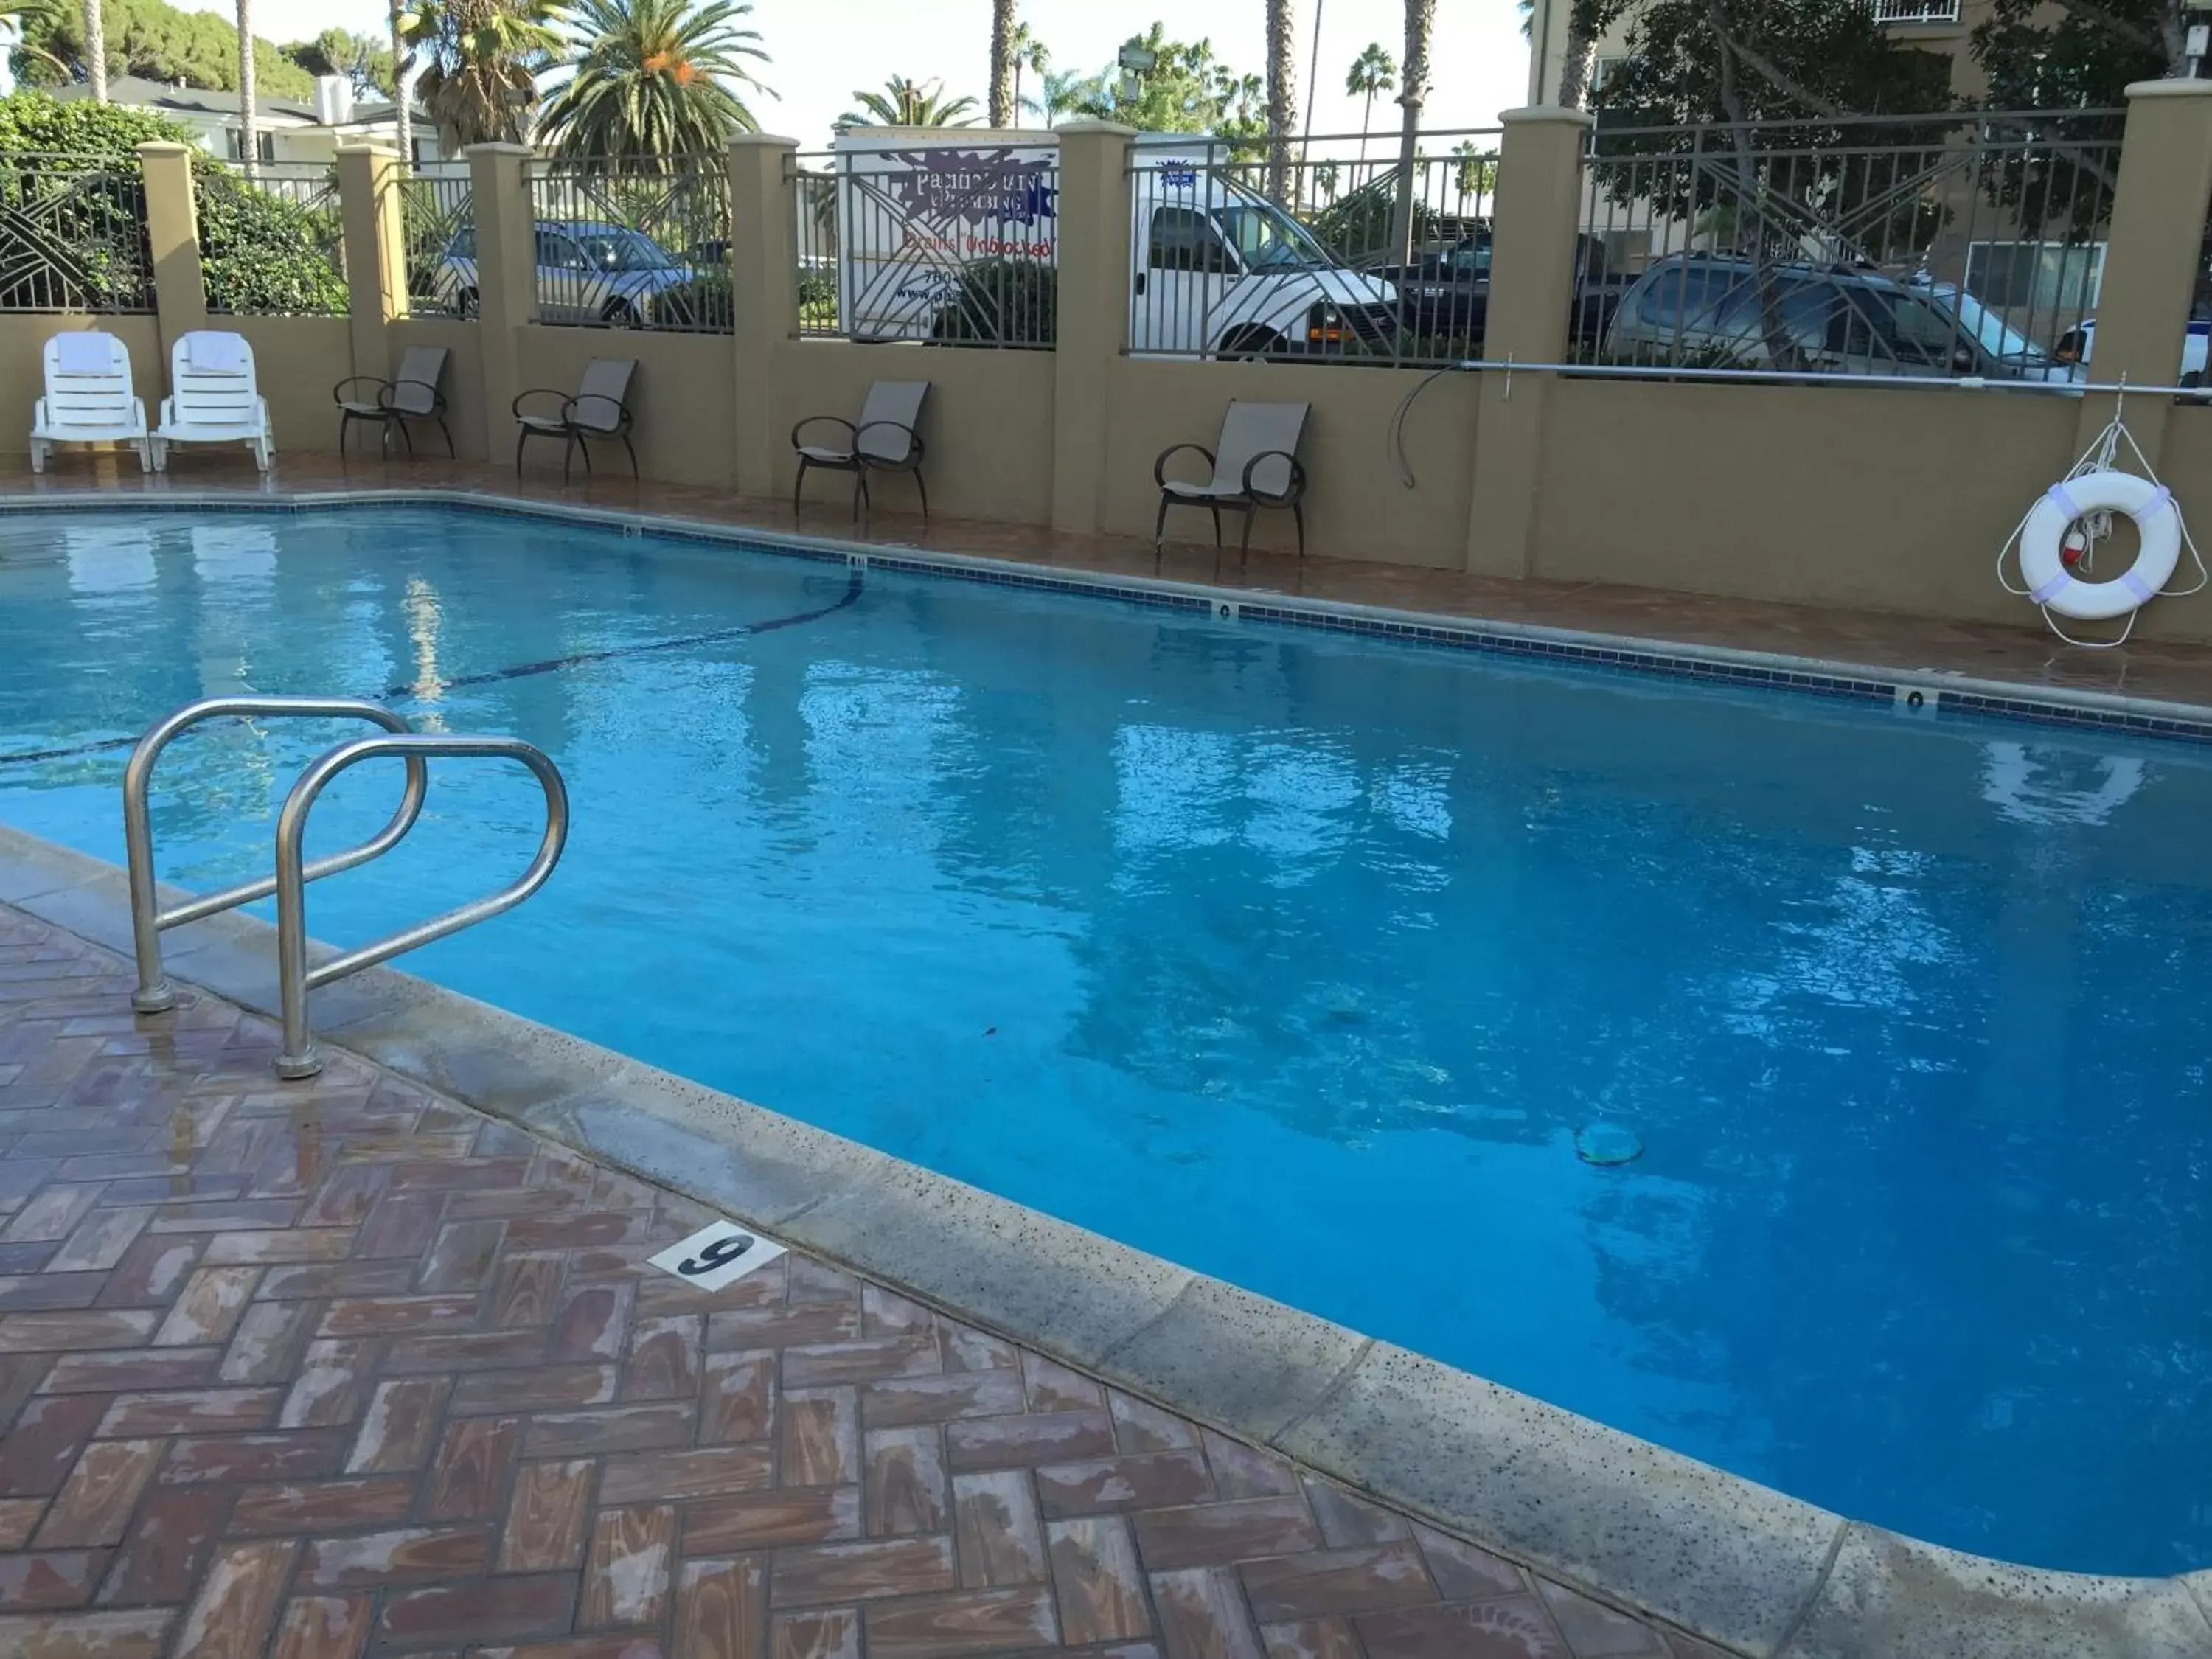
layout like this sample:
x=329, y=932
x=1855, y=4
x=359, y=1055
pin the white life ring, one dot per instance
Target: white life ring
x=2049, y=581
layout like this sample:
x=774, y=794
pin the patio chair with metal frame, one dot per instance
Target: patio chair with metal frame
x=884, y=440
x=1255, y=464
x=598, y=410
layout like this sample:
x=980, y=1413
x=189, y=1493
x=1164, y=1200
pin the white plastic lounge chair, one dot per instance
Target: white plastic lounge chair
x=598, y=410
x=884, y=441
x=89, y=398
x=212, y=398
x=1256, y=465
x=412, y=395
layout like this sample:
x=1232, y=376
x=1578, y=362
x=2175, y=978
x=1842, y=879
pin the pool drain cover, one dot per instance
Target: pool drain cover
x=1605, y=1144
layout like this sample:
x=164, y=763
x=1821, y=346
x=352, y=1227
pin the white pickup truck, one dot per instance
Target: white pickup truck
x=1215, y=268
x=2075, y=346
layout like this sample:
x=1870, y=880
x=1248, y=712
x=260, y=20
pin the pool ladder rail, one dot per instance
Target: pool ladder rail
x=295, y=976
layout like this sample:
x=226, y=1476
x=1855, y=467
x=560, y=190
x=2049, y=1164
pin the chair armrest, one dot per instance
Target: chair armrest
x=852, y=432
x=1160, y=466
x=437, y=397
x=913, y=455
x=538, y=391
x=1295, y=493
x=621, y=412
x=338, y=391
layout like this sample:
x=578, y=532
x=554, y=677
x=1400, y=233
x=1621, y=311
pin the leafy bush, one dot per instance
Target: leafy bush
x=260, y=252
x=1001, y=302
x=705, y=302
x=1356, y=227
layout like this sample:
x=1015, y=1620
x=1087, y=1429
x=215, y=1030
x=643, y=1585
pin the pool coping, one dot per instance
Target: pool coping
x=1918, y=692
x=1734, y=1563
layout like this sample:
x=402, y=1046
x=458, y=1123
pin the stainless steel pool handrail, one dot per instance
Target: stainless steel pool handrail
x=148, y=919
x=297, y=1057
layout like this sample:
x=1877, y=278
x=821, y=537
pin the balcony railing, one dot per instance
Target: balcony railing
x=1915, y=11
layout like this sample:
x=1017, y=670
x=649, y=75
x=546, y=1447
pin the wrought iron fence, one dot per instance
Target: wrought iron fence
x=72, y=235
x=639, y=242
x=438, y=227
x=1328, y=248
x=946, y=241
x=272, y=243
x=1937, y=246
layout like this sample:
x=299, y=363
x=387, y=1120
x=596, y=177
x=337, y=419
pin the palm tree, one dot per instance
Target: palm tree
x=1473, y=173
x=480, y=61
x=1031, y=54
x=1420, y=25
x=652, y=79
x=904, y=103
x=1324, y=179
x=249, y=119
x=1060, y=92
x=1372, y=72
x=402, y=111
x=1002, y=62
x=1282, y=95
x=95, y=48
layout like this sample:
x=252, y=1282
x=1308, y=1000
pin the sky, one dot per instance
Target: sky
x=821, y=49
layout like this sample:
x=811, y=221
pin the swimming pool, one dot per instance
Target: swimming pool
x=1203, y=934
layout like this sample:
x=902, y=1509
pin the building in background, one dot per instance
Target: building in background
x=290, y=131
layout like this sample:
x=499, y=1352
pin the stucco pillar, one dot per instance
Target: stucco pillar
x=764, y=296
x=2152, y=259
x=506, y=280
x=1093, y=310
x=375, y=252
x=172, y=239
x=1532, y=278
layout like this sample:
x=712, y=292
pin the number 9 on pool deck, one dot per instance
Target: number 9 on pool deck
x=721, y=1253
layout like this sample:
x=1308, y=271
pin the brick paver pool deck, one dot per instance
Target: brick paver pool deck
x=343, y=1367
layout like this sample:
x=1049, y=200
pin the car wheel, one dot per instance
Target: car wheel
x=622, y=314
x=465, y=305
x=1254, y=345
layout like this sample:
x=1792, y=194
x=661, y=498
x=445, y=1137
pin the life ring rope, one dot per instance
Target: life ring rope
x=2098, y=475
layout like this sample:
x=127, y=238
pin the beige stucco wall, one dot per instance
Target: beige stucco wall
x=1356, y=505
x=464, y=384
x=1880, y=499
x=23, y=339
x=986, y=428
x=682, y=397
x=296, y=363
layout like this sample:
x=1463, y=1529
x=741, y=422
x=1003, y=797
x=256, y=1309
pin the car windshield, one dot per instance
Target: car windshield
x=1999, y=339
x=612, y=249
x=1266, y=239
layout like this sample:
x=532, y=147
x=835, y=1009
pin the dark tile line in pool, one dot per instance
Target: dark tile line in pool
x=1977, y=704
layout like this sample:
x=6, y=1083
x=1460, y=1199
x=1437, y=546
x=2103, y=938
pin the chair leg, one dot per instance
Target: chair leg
x=1299, y=515
x=1244, y=541
x=568, y=455
x=1217, y=522
x=633, y=457
x=924, y=488
x=797, y=485
x=451, y=454
x=1160, y=526
x=405, y=437
x=860, y=492
x=521, y=438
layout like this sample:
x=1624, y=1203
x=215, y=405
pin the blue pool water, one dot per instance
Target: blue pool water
x=1219, y=938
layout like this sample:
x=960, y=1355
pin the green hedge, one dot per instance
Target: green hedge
x=1002, y=302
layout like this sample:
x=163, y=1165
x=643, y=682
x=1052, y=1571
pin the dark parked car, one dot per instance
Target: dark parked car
x=1445, y=291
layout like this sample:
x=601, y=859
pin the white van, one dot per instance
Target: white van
x=1216, y=269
